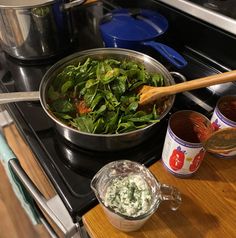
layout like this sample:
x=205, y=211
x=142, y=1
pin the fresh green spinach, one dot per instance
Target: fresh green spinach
x=108, y=90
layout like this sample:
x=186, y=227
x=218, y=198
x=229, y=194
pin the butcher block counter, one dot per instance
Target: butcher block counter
x=208, y=208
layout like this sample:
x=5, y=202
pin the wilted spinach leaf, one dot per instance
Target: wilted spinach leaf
x=100, y=96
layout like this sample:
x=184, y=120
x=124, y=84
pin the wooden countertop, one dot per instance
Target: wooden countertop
x=208, y=208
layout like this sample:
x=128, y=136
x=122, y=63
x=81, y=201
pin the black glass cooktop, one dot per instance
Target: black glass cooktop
x=69, y=167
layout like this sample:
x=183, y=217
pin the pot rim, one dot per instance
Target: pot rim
x=92, y=52
x=24, y=3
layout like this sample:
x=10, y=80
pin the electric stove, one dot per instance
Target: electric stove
x=71, y=168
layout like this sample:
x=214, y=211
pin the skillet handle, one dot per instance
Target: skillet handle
x=19, y=97
x=170, y=54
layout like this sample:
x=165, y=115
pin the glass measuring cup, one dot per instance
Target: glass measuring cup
x=121, y=169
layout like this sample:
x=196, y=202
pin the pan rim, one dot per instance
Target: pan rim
x=90, y=52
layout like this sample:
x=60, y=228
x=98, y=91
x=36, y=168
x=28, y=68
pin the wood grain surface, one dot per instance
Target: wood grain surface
x=28, y=161
x=208, y=208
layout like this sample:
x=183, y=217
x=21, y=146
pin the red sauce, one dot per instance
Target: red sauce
x=191, y=126
x=82, y=108
x=228, y=108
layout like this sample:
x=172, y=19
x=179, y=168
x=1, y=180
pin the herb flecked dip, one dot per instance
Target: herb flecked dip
x=130, y=196
x=100, y=96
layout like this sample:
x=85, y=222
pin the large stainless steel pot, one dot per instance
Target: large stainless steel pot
x=31, y=30
x=98, y=142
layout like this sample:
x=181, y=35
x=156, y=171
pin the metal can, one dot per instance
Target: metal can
x=183, y=151
x=224, y=114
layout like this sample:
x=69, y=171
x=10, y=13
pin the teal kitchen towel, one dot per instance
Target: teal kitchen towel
x=6, y=154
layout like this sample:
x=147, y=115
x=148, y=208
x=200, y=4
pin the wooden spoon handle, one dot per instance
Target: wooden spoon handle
x=149, y=94
x=203, y=82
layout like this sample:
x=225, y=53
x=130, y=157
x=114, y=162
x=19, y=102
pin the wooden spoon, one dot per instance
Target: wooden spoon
x=150, y=94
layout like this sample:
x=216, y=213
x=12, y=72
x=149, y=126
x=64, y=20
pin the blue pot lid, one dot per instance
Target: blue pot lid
x=135, y=25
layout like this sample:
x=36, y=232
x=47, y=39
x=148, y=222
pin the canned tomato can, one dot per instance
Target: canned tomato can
x=183, y=151
x=224, y=114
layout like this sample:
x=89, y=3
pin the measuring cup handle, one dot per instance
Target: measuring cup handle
x=171, y=194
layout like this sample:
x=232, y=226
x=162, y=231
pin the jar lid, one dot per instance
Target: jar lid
x=23, y=3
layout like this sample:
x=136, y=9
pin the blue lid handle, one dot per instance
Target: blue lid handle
x=170, y=54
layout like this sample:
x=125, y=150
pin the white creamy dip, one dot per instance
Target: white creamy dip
x=130, y=196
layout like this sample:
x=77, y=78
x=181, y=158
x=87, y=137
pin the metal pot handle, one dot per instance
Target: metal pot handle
x=178, y=75
x=189, y=95
x=72, y=4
